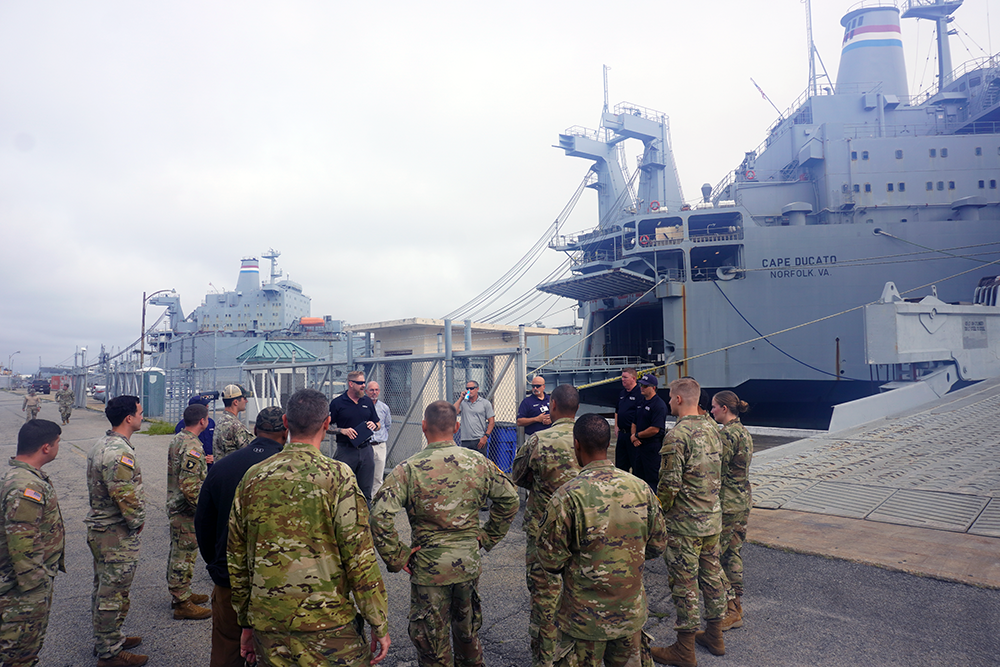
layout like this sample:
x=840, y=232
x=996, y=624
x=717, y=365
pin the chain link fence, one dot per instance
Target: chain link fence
x=408, y=385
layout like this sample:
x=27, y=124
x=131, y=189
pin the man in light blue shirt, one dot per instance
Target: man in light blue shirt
x=381, y=436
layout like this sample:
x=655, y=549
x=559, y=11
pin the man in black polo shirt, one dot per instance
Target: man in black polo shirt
x=211, y=525
x=647, y=432
x=628, y=401
x=347, y=412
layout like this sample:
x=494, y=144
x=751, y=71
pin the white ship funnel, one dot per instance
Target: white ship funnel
x=249, y=281
x=872, y=52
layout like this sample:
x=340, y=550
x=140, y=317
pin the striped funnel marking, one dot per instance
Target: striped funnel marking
x=872, y=35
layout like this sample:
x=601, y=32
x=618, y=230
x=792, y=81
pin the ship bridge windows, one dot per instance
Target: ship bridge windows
x=670, y=265
x=661, y=231
x=709, y=227
x=715, y=262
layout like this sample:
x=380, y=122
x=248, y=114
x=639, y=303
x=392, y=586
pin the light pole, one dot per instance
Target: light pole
x=142, y=339
x=9, y=358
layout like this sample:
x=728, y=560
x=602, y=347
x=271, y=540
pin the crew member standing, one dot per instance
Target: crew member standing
x=442, y=488
x=348, y=412
x=211, y=524
x=32, y=405
x=533, y=413
x=300, y=549
x=600, y=528
x=65, y=398
x=628, y=402
x=544, y=463
x=33, y=544
x=381, y=436
x=231, y=434
x=186, y=468
x=116, y=517
x=647, y=432
x=689, y=495
x=476, y=416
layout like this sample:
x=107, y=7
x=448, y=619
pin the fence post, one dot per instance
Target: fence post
x=449, y=364
x=522, y=372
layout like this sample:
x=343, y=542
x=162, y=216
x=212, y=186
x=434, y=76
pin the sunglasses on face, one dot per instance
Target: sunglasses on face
x=361, y=382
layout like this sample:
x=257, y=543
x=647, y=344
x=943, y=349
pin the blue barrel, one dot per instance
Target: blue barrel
x=503, y=445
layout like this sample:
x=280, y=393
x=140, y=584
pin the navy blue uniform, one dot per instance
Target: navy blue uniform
x=532, y=406
x=646, y=457
x=628, y=401
x=357, y=453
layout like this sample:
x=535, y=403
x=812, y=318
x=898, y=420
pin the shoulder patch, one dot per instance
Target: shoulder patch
x=127, y=460
x=32, y=494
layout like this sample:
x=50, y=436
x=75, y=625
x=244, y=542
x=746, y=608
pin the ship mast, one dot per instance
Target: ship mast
x=940, y=12
x=812, y=49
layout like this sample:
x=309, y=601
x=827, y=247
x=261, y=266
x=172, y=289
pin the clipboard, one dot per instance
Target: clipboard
x=364, y=434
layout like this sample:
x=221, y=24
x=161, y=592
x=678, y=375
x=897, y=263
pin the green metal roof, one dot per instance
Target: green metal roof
x=270, y=351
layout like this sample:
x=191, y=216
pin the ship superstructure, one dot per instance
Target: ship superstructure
x=857, y=184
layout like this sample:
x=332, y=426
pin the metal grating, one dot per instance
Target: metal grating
x=848, y=500
x=773, y=492
x=599, y=285
x=928, y=509
x=988, y=523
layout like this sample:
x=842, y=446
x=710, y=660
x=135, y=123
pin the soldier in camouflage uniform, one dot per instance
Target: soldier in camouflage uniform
x=230, y=433
x=688, y=490
x=32, y=404
x=186, y=470
x=65, y=398
x=116, y=517
x=299, y=548
x=599, y=529
x=442, y=488
x=544, y=463
x=737, y=451
x=31, y=551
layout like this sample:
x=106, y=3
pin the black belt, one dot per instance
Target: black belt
x=354, y=446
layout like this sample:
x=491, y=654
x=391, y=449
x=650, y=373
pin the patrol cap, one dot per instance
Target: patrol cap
x=269, y=420
x=648, y=380
x=234, y=391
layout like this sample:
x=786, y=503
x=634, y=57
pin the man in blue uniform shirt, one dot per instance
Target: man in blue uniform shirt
x=206, y=435
x=348, y=411
x=647, y=432
x=533, y=413
x=628, y=401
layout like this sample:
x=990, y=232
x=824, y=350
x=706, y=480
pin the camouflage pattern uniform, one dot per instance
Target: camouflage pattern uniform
x=65, y=398
x=117, y=514
x=737, y=450
x=543, y=463
x=31, y=553
x=690, y=471
x=294, y=566
x=31, y=407
x=186, y=470
x=599, y=530
x=442, y=488
x=230, y=435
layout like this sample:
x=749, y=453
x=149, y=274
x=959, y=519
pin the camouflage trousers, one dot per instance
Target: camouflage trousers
x=344, y=647
x=434, y=610
x=734, y=534
x=24, y=616
x=544, y=590
x=116, y=555
x=629, y=651
x=183, y=552
x=65, y=411
x=31, y=413
x=693, y=562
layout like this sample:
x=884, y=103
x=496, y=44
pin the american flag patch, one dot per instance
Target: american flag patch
x=128, y=461
x=195, y=453
x=31, y=494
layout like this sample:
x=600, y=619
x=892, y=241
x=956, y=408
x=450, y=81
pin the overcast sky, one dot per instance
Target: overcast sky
x=398, y=154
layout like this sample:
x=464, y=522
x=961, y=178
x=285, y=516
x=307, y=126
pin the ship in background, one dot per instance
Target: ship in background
x=858, y=184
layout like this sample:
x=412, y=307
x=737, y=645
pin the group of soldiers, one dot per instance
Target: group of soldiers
x=65, y=398
x=291, y=541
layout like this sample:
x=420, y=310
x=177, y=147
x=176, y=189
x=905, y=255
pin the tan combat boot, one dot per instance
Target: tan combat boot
x=189, y=610
x=734, y=615
x=712, y=638
x=197, y=598
x=679, y=654
x=123, y=659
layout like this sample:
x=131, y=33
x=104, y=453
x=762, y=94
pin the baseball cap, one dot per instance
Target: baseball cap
x=269, y=420
x=234, y=391
x=648, y=380
x=198, y=399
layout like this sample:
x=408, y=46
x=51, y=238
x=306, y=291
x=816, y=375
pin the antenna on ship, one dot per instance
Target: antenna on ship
x=273, y=256
x=940, y=12
x=813, y=54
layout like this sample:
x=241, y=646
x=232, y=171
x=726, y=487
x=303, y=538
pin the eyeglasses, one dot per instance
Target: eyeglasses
x=471, y=388
x=538, y=385
x=361, y=382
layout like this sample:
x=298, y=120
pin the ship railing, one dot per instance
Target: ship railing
x=717, y=238
x=985, y=62
x=649, y=241
x=594, y=362
x=640, y=111
x=585, y=132
x=862, y=131
x=595, y=256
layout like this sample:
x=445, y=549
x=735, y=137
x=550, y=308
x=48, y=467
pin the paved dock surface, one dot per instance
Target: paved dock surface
x=828, y=593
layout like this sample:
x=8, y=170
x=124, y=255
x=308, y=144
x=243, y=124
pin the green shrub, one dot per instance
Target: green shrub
x=157, y=427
